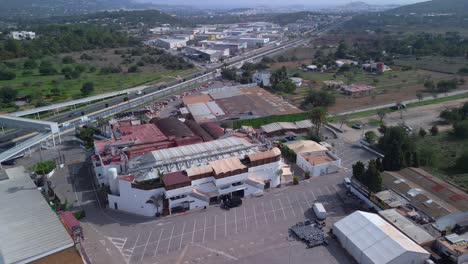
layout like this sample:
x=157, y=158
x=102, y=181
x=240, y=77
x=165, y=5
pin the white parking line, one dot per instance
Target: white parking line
x=307, y=200
x=313, y=195
x=235, y=218
x=146, y=245
x=264, y=213
x=157, y=245
x=320, y=194
x=170, y=239
x=204, y=231
x=255, y=215
x=299, y=202
x=245, y=218
x=290, y=204
x=225, y=224
x=273, y=209
x=193, y=231
x=282, y=209
x=182, y=236
x=214, y=235
x=331, y=195
x=133, y=248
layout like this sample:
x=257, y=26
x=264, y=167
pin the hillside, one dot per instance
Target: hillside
x=434, y=6
x=45, y=8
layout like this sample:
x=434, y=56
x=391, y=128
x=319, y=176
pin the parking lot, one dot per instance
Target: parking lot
x=350, y=154
x=214, y=235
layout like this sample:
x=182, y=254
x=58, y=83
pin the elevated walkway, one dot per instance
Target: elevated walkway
x=5, y=155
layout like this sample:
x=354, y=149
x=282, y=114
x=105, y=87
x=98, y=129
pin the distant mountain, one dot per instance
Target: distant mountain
x=21, y=9
x=434, y=6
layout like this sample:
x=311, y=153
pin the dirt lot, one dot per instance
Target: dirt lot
x=423, y=116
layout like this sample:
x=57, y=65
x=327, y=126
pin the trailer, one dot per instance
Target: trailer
x=320, y=211
x=72, y=225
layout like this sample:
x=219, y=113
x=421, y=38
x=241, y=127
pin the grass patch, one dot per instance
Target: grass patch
x=446, y=150
x=434, y=63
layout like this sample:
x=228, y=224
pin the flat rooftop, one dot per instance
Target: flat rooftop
x=318, y=158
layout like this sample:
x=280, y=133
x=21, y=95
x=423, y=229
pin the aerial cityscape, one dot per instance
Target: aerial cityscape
x=186, y=132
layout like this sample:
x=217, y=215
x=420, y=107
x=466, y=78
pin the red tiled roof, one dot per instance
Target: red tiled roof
x=128, y=178
x=174, y=178
x=213, y=129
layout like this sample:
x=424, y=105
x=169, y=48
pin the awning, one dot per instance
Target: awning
x=208, y=189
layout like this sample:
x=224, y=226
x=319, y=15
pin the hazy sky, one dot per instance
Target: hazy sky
x=307, y=3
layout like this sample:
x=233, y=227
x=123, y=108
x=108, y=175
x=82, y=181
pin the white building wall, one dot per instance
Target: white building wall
x=320, y=169
x=134, y=200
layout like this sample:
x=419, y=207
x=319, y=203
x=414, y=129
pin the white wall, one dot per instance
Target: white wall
x=134, y=200
x=320, y=169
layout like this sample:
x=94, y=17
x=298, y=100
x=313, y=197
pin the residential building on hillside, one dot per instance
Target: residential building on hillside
x=22, y=35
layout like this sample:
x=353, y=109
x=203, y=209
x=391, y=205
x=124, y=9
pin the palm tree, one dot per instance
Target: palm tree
x=156, y=200
x=102, y=124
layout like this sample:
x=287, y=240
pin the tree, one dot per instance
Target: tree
x=68, y=60
x=30, y=64
x=379, y=164
x=156, y=201
x=46, y=68
x=429, y=85
x=13, y=46
x=341, y=50
x=422, y=132
x=434, y=130
x=318, y=99
x=452, y=116
x=370, y=137
x=55, y=91
x=278, y=76
x=343, y=120
x=381, y=113
x=317, y=116
x=285, y=86
x=87, y=88
x=229, y=74
x=373, y=180
x=398, y=149
x=133, y=69
x=461, y=166
x=7, y=75
x=460, y=130
x=8, y=94
x=426, y=155
x=420, y=96
x=358, y=171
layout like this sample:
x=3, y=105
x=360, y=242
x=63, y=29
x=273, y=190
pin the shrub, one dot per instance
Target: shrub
x=68, y=60
x=44, y=167
x=434, y=130
x=295, y=180
x=79, y=214
x=307, y=175
x=7, y=75
x=422, y=132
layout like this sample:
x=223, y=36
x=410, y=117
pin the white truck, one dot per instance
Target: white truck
x=320, y=211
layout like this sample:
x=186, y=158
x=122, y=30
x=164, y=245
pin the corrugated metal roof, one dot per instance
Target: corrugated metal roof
x=416, y=233
x=374, y=238
x=29, y=229
x=227, y=165
x=224, y=92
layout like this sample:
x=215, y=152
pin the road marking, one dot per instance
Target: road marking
x=225, y=224
x=235, y=219
x=320, y=194
x=273, y=209
x=307, y=200
x=292, y=209
x=255, y=215
x=214, y=235
x=182, y=235
x=146, y=245
x=245, y=218
x=218, y=252
x=133, y=248
x=170, y=239
x=157, y=244
x=300, y=202
x=119, y=243
x=193, y=231
x=313, y=195
x=264, y=213
x=282, y=209
x=182, y=255
x=331, y=194
x=204, y=231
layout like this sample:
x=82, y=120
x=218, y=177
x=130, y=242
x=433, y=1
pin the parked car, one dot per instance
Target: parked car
x=320, y=211
x=357, y=126
x=407, y=128
x=231, y=203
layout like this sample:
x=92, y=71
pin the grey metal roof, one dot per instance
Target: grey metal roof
x=29, y=229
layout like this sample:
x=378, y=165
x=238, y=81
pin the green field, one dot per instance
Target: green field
x=434, y=63
x=446, y=150
x=40, y=87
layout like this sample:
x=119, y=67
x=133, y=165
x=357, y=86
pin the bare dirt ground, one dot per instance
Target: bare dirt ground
x=423, y=116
